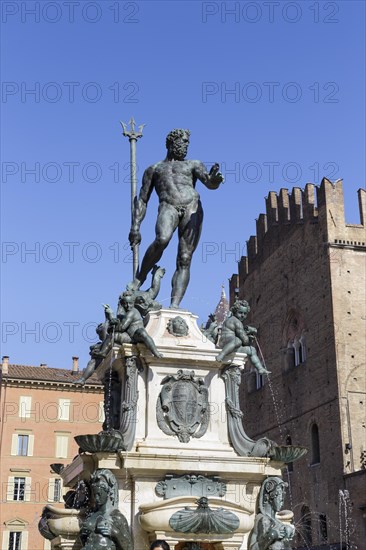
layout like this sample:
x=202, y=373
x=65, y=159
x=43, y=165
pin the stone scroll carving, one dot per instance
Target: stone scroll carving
x=182, y=406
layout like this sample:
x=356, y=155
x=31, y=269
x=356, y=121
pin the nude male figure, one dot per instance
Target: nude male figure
x=174, y=180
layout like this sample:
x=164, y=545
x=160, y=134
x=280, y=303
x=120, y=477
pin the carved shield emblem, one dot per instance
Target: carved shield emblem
x=184, y=402
x=182, y=407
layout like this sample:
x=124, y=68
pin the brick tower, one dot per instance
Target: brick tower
x=304, y=277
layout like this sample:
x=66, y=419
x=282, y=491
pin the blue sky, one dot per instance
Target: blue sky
x=273, y=91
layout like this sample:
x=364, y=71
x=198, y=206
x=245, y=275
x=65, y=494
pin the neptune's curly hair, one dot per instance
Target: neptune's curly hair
x=174, y=134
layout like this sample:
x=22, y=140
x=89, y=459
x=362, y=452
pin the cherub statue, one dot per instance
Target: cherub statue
x=95, y=356
x=112, y=332
x=105, y=528
x=235, y=336
x=269, y=533
x=133, y=324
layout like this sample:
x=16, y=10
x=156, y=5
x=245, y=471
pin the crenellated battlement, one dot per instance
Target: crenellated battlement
x=287, y=212
x=286, y=208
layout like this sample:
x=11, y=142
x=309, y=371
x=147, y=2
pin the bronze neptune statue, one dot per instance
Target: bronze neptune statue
x=174, y=180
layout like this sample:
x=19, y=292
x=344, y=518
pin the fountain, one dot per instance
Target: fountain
x=173, y=460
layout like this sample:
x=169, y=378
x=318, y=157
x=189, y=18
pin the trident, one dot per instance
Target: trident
x=133, y=137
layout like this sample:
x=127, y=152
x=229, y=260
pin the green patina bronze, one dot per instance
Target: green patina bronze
x=177, y=327
x=269, y=532
x=204, y=519
x=105, y=528
x=174, y=180
x=128, y=325
x=211, y=329
x=237, y=337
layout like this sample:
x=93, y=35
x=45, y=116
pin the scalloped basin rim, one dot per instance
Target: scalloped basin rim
x=287, y=453
x=155, y=516
x=190, y=500
x=99, y=442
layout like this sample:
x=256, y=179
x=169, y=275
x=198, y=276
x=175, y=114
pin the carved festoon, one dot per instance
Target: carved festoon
x=190, y=484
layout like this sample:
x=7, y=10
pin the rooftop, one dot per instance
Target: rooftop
x=45, y=374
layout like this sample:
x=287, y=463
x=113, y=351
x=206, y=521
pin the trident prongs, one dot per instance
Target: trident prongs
x=132, y=134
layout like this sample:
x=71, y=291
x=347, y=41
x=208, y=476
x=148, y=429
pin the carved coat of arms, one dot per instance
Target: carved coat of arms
x=182, y=406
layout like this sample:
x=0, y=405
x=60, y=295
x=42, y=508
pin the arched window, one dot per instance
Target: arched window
x=302, y=348
x=315, y=447
x=290, y=355
x=299, y=345
x=297, y=348
x=294, y=338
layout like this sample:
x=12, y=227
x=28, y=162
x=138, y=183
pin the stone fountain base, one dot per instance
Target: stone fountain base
x=180, y=474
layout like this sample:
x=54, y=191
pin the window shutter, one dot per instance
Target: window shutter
x=10, y=488
x=51, y=489
x=30, y=445
x=64, y=409
x=25, y=404
x=14, y=444
x=61, y=446
x=24, y=540
x=47, y=544
x=5, y=545
x=65, y=442
x=27, y=490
